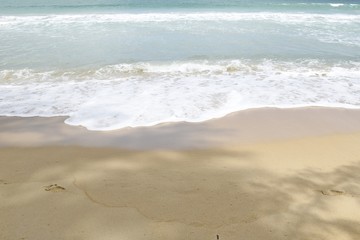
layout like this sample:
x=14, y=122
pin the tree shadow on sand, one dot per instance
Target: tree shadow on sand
x=199, y=194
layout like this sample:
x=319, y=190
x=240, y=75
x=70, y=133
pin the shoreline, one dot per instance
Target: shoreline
x=269, y=174
x=242, y=127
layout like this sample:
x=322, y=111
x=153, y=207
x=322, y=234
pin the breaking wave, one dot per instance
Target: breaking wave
x=144, y=93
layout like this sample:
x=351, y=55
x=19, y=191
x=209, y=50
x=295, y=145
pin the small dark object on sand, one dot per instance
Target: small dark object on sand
x=54, y=188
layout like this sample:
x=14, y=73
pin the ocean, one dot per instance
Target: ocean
x=112, y=64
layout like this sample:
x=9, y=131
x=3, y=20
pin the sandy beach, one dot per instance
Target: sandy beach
x=255, y=174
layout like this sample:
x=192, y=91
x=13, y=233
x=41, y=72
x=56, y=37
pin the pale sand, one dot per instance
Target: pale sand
x=297, y=177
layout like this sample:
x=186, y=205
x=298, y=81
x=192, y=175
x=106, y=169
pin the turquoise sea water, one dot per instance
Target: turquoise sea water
x=111, y=64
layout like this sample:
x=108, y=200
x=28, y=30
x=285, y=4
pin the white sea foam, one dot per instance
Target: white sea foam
x=351, y=5
x=177, y=16
x=144, y=94
x=337, y=4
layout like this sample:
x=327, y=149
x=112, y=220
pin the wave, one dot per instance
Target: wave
x=190, y=4
x=179, y=69
x=335, y=5
x=176, y=16
x=144, y=94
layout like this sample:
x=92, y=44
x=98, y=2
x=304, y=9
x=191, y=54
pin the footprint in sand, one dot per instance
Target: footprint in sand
x=54, y=188
x=332, y=192
x=3, y=182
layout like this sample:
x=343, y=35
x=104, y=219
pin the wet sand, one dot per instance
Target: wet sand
x=244, y=127
x=256, y=174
